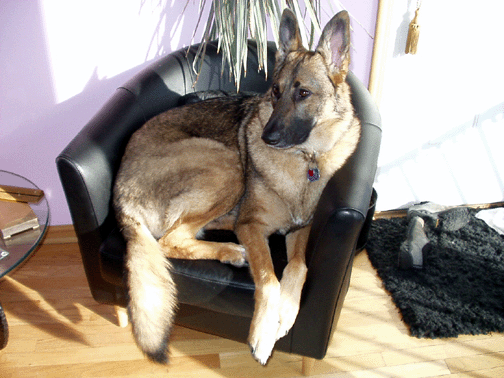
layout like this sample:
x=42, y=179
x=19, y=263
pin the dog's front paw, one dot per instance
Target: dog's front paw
x=292, y=283
x=288, y=313
x=261, y=344
x=264, y=327
x=261, y=352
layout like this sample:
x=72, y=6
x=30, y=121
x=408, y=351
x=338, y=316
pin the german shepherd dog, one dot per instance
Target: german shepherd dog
x=255, y=164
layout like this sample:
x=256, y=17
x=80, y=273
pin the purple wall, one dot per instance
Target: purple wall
x=34, y=127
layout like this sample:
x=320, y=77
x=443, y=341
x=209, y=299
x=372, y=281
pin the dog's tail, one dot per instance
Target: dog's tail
x=152, y=293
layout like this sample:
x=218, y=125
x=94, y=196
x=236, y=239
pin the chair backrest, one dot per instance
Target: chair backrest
x=158, y=86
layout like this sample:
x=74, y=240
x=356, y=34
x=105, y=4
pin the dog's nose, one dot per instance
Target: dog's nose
x=271, y=134
x=271, y=138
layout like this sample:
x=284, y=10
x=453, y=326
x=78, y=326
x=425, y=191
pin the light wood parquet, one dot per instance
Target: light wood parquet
x=58, y=330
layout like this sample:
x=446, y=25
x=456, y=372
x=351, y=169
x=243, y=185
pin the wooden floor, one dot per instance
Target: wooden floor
x=58, y=330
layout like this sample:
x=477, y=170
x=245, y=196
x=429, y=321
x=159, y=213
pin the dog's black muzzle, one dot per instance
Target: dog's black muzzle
x=278, y=134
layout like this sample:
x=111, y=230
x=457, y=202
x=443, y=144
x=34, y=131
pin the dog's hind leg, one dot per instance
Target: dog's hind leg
x=212, y=194
x=152, y=292
x=180, y=242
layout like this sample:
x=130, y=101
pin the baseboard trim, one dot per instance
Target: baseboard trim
x=62, y=234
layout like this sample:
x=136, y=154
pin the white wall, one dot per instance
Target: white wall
x=443, y=108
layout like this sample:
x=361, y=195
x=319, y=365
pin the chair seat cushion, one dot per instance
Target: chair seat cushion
x=204, y=283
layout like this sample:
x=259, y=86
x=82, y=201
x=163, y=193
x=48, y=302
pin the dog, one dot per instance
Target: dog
x=254, y=164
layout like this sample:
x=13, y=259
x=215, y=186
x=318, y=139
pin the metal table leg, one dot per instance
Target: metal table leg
x=4, y=329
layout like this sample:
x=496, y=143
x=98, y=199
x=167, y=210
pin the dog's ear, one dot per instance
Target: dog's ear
x=334, y=45
x=289, y=35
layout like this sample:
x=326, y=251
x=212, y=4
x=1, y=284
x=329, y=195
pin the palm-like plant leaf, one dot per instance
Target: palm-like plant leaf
x=232, y=22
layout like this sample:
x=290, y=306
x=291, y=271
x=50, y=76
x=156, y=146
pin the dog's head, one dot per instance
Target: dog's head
x=306, y=84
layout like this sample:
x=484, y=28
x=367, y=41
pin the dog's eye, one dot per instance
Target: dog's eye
x=275, y=91
x=304, y=93
x=301, y=94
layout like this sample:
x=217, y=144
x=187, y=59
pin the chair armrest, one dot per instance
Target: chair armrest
x=87, y=165
x=350, y=189
x=87, y=168
x=337, y=223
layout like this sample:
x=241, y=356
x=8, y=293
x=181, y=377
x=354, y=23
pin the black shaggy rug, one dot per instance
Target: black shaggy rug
x=460, y=288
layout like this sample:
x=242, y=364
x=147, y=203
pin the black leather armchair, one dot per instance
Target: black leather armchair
x=218, y=298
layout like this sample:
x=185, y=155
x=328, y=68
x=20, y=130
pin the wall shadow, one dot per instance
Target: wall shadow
x=34, y=128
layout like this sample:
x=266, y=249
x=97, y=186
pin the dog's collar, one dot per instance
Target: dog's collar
x=313, y=173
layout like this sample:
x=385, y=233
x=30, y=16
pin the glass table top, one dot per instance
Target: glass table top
x=18, y=248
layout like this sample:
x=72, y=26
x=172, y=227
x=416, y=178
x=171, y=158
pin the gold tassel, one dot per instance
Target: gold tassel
x=413, y=34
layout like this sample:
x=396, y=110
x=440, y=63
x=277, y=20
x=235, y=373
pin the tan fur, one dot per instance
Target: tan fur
x=237, y=163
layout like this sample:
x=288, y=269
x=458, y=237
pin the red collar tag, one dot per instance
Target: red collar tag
x=313, y=174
